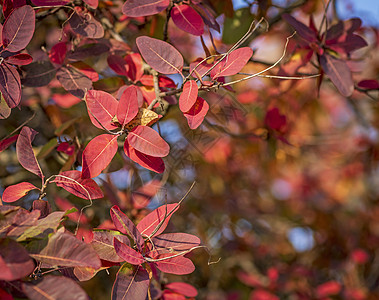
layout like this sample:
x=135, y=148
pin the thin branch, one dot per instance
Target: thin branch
x=23, y=124
x=285, y=77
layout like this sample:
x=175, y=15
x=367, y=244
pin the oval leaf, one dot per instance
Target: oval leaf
x=98, y=154
x=103, y=107
x=175, y=242
x=58, y=52
x=14, y=192
x=4, y=144
x=102, y=242
x=146, y=140
x=157, y=218
x=83, y=23
x=160, y=55
x=195, y=116
x=187, y=19
x=182, y=288
x=127, y=107
x=10, y=85
x=304, y=31
x=25, y=152
x=18, y=28
x=178, y=265
x=38, y=73
x=128, y=254
x=141, y=8
x=189, y=95
x=74, y=81
x=20, y=59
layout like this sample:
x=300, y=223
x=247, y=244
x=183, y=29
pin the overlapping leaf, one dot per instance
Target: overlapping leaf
x=102, y=242
x=178, y=265
x=304, y=31
x=195, y=116
x=189, y=95
x=20, y=59
x=10, y=85
x=83, y=23
x=102, y=107
x=128, y=254
x=187, y=19
x=14, y=192
x=175, y=242
x=140, y=8
x=74, y=81
x=127, y=107
x=5, y=143
x=38, y=73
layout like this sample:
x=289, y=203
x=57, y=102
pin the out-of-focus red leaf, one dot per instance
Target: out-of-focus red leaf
x=25, y=152
x=65, y=100
x=102, y=242
x=54, y=287
x=195, y=116
x=233, y=63
x=20, y=59
x=360, y=256
x=86, y=70
x=189, y=95
x=178, y=265
x=160, y=55
x=130, y=284
x=304, y=31
x=328, y=289
x=10, y=85
x=5, y=296
x=66, y=147
x=200, y=69
x=117, y=64
x=367, y=84
x=127, y=107
x=78, y=186
x=128, y=254
x=82, y=22
x=15, y=262
x=58, y=52
x=162, y=214
x=339, y=73
x=261, y=294
x=87, y=50
x=92, y=3
x=250, y=279
x=146, y=140
x=43, y=206
x=24, y=222
x=171, y=295
x=275, y=120
x=14, y=192
x=10, y=5
x=126, y=226
x=64, y=249
x=175, y=242
x=18, y=28
x=142, y=8
x=98, y=154
x=5, y=143
x=187, y=19
x=182, y=288
x=143, y=195
x=74, y=81
x=103, y=106
x=152, y=163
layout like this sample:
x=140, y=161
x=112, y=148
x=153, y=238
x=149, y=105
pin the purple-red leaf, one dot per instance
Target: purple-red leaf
x=10, y=85
x=126, y=226
x=72, y=182
x=74, y=81
x=146, y=140
x=98, y=154
x=152, y=163
x=25, y=152
x=178, y=265
x=4, y=144
x=82, y=22
x=304, y=31
x=141, y=8
x=18, y=28
x=102, y=242
x=127, y=107
x=189, y=95
x=20, y=59
x=367, y=84
x=178, y=242
x=130, y=284
x=154, y=219
x=195, y=116
x=339, y=73
x=142, y=197
x=58, y=52
x=233, y=63
x=187, y=19
x=50, y=2
x=38, y=73
x=182, y=288
x=54, y=287
x=103, y=107
x=14, y=192
x=128, y=254
x=160, y=55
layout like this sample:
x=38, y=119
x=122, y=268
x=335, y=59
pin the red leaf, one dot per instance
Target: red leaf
x=14, y=192
x=304, y=31
x=54, y=287
x=126, y=226
x=15, y=262
x=339, y=73
x=149, y=223
x=187, y=19
x=10, y=5
x=92, y=3
x=182, y=288
x=176, y=242
x=18, y=28
x=4, y=144
x=86, y=70
x=233, y=63
x=5, y=296
x=367, y=84
x=128, y=254
x=170, y=295
x=328, y=289
x=78, y=186
x=178, y=265
x=142, y=8
x=98, y=154
x=142, y=197
x=275, y=120
x=102, y=242
x=20, y=59
x=117, y=64
x=162, y=80
x=58, y=52
x=146, y=140
x=195, y=116
x=130, y=284
x=74, y=81
x=127, y=107
x=10, y=85
x=189, y=95
x=160, y=55
x=200, y=69
x=5, y=110
x=103, y=106
x=82, y=22
x=50, y=2
x=64, y=205
x=261, y=294
x=152, y=163
x=25, y=152
x=38, y=73
x=65, y=100
x=134, y=68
